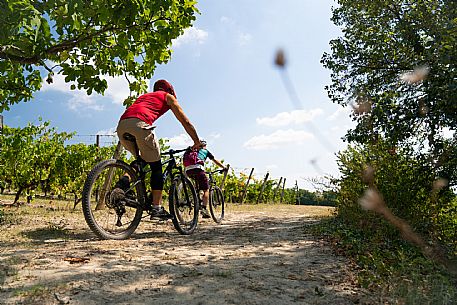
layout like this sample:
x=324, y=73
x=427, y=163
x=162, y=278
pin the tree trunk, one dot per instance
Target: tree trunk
x=18, y=194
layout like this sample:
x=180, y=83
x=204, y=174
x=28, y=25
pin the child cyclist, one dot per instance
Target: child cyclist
x=194, y=161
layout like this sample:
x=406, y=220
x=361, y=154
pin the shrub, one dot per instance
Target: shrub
x=407, y=185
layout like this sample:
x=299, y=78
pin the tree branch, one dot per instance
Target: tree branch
x=6, y=52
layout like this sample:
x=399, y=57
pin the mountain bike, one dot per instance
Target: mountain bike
x=216, y=197
x=116, y=214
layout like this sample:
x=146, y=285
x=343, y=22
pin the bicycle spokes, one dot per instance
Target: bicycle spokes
x=111, y=211
x=183, y=205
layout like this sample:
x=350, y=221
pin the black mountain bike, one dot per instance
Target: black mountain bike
x=216, y=197
x=116, y=215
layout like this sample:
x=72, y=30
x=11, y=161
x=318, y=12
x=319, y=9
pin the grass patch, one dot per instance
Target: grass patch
x=38, y=294
x=34, y=291
x=392, y=266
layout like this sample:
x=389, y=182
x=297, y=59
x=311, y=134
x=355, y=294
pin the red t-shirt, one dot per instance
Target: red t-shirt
x=148, y=107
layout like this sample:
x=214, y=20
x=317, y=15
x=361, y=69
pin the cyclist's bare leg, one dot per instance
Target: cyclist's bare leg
x=205, y=198
x=156, y=197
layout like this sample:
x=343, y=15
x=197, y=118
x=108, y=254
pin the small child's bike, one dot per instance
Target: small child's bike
x=216, y=196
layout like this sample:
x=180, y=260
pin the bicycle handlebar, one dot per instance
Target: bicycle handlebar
x=172, y=152
x=217, y=171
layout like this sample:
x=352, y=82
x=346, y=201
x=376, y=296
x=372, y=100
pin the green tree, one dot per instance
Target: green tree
x=372, y=67
x=84, y=41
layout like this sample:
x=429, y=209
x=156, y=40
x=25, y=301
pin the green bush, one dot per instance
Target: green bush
x=386, y=262
x=406, y=184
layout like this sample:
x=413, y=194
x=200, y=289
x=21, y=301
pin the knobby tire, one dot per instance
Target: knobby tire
x=95, y=178
x=216, y=204
x=185, y=211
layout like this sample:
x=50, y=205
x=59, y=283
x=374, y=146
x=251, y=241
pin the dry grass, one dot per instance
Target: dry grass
x=287, y=209
x=44, y=206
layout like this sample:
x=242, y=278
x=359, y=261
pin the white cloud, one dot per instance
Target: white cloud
x=191, y=35
x=118, y=90
x=227, y=20
x=80, y=100
x=241, y=37
x=340, y=112
x=107, y=132
x=277, y=139
x=244, y=39
x=214, y=136
x=288, y=118
x=182, y=140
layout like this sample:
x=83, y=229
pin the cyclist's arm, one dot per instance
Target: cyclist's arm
x=218, y=163
x=183, y=119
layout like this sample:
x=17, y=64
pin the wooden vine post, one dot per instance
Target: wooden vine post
x=225, y=177
x=263, y=187
x=246, y=186
x=282, y=191
x=297, y=193
x=276, y=190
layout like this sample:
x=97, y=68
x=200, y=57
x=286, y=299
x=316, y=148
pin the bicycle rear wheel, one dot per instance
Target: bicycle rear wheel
x=184, y=205
x=216, y=204
x=112, y=214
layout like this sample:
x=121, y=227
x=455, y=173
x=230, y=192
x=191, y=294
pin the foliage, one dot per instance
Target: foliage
x=36, y=157
x=28, y=155
x=396, y=65
x=391, y=267
x=235, y=185
x=324, y=198
x=72, y=167
x=383, y=40
x=85, y=41
x=408, y=190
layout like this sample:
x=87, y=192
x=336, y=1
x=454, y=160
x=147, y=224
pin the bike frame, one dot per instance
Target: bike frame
x=211, y=182
x=171, y=170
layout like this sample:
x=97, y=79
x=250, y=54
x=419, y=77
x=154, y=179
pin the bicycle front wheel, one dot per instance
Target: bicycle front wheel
x=216, y=204
x=110, y=212
x=184, y=205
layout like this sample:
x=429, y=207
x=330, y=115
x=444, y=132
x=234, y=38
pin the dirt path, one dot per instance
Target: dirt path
x=254, y=257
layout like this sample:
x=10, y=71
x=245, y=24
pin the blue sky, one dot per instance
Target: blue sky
x=224, y=74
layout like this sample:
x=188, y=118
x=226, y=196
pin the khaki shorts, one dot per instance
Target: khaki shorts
x=146, y=139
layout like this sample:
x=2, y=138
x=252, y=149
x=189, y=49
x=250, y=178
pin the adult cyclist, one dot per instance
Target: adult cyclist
x=137, y=120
